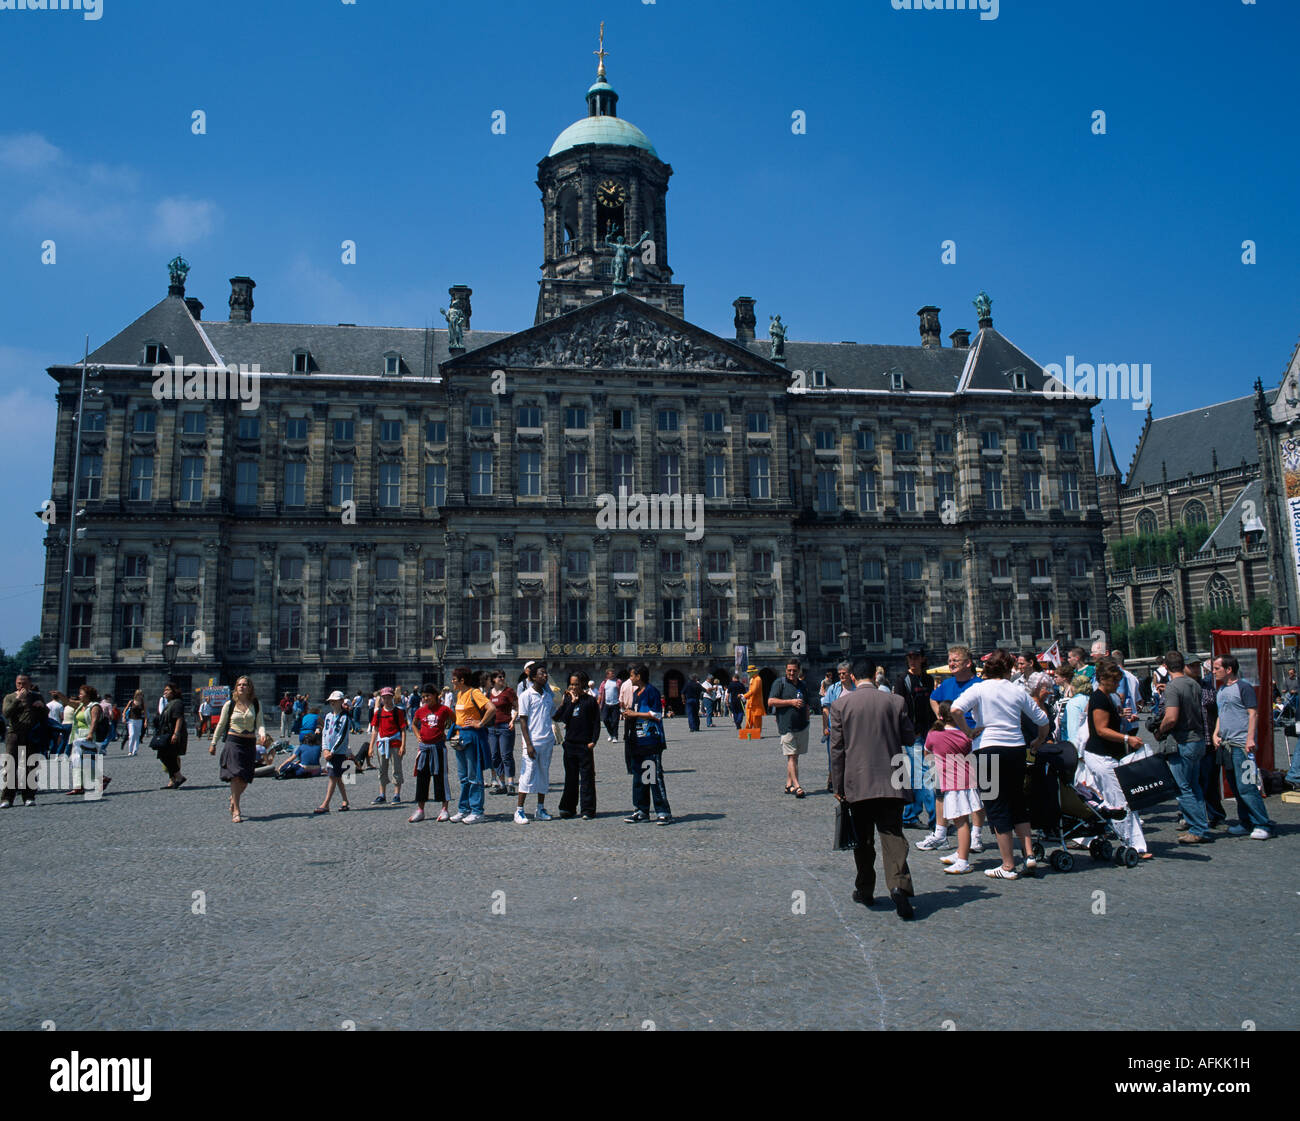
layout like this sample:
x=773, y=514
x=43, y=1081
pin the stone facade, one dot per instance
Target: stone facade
x=388, y=489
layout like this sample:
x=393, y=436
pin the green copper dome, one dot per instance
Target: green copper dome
x=612, y=131
x=602, y=124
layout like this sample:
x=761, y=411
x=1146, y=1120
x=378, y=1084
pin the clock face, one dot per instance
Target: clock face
x=611, y=194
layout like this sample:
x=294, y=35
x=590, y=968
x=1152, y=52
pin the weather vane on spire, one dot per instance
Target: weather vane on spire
x=600, y=70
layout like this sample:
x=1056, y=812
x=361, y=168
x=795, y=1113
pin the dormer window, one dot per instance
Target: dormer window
x=153, y=354
x=392, y=363
x=819, y=379
x=895, y=380
x=1018, y=381
x=301, y=361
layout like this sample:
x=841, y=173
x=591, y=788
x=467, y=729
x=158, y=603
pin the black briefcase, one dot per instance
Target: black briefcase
x=846, y=836
x=1147, y=782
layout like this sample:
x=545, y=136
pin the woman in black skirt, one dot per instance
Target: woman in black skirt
x=239, y=731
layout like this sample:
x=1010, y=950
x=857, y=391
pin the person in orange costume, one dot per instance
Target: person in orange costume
x=752, y=729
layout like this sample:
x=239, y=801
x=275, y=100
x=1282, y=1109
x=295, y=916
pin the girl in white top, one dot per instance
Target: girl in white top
x=998, y=704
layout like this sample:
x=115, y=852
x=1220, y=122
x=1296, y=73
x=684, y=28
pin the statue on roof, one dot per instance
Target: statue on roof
x=983, y=306
x=178, y=268
x=621, y=251
x=776, y=332
x=455, y=326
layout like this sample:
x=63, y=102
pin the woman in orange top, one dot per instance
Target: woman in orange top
x=753, y=726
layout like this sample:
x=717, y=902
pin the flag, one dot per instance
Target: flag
x=1051, y=654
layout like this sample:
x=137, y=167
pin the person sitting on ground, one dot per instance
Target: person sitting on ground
x=303, y=763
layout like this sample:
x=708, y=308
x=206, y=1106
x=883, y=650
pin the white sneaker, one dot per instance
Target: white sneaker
x=976, y=845
x=521, y=818
x=951, y=858
x=958, y=867
x=542, y=815
x=470, y=819
x=933, y=841
x=6, y=804
x=457, y=817
x=417, y=816
x=444, y=816
x=1260, y=834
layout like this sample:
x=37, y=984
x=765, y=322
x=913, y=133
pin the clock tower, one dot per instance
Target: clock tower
x=603, y=182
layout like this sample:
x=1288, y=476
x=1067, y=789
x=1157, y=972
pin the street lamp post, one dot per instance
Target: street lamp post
x=170, y=651
x=65, y=612
x=845, y=640
x=439, y=645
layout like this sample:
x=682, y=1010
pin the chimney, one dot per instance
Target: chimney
x=960, y=339
x=460, y=295
x=195, y=305
x=930, y=336
x=241, y=299
x=745, y=322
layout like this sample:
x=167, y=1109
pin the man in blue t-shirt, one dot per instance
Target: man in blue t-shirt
x=961, y=670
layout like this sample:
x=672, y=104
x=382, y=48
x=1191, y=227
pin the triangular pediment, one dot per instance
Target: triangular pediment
x=619, y=332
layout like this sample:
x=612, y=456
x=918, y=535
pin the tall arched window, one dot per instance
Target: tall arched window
x=1162, y=607
x=1218, y=593
x=1147, y=523
x=1118, y=613
x=1194, y=513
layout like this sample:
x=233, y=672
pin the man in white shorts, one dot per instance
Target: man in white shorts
x=536, y=713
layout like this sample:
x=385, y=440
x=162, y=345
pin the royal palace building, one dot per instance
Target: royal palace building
x=346, y=506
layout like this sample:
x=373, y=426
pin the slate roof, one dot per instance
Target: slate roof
x=1227, y=534
x=168, y=322
x=346, y=350
x=869, y=365
x=993, y=358
x=336, y=350
x=1182, y=442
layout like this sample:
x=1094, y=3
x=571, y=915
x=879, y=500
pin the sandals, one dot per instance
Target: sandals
x=236, y=818
x=1000, y=873
x=344, y=808
x=798, y=792
x=321, y=810
x=789, y=789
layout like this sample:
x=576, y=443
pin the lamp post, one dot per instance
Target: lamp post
x=439, y=645
x=170, y=651
x=845, y=640
x=65, y=613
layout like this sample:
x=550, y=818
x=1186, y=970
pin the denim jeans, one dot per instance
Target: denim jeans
x=1212, y=784
x=649, y=767
x=708, y=713
x=693, y=715
x=1293, y=775
x=1251, y=813
x=1185, y=765
x=501, y=741
x=469, y=771
x=922, y=784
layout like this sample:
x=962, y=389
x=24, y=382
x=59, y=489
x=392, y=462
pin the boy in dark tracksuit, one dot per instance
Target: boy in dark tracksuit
x=580, y=715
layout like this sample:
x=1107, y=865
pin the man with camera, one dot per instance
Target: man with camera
x=1183, y=719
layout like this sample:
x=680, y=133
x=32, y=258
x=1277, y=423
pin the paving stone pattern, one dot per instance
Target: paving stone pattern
x=362, y=919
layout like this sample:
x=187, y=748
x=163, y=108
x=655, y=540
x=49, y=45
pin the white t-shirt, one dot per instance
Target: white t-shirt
x=609, y=692
x=56, y=711
x=997, y=705
x=538, y=709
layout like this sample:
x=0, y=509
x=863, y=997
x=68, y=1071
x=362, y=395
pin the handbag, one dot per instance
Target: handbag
x=846, y=836
x=1146, y=782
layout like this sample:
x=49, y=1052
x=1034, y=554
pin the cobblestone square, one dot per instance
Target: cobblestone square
x=362, y=919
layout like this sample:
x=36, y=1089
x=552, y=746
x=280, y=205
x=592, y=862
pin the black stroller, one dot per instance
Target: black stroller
x=1060, y=812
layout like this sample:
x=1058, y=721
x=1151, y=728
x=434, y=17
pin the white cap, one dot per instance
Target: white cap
x=337, y=696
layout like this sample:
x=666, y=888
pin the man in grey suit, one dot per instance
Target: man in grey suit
x=870, y=731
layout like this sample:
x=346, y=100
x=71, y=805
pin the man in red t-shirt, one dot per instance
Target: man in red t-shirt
x=431, y=721
x=388, y=741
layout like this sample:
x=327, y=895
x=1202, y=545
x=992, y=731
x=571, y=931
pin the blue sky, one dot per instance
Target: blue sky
x=372, y=122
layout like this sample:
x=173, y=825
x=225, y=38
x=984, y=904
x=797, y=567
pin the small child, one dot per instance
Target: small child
x=430, y=722
x=950, y=745
x=334, y=748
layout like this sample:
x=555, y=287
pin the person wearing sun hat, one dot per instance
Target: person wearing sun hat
x=334, y=750
x=753, y=727
x=388, y=731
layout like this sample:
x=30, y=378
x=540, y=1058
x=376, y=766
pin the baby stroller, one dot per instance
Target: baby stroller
x=1061, y=812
